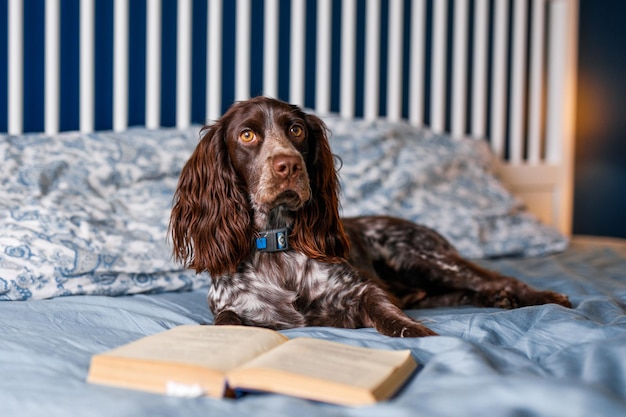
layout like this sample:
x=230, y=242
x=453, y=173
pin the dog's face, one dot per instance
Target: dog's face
x=268, y=144
x=263, y=164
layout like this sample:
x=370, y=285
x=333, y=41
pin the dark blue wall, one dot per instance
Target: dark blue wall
x=600, y=187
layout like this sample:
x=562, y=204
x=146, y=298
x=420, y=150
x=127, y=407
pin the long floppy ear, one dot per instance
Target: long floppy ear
x=318, y=231
x=210, y=223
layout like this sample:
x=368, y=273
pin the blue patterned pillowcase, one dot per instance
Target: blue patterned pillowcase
x=447, y=184
x=88, y=213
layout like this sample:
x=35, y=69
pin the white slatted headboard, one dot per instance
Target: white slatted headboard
x=499, y=69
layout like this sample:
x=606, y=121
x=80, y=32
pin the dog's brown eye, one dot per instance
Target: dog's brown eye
x=247, y=136
x=296, y=131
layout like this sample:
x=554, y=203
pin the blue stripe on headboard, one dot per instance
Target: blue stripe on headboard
x=168, y=63
x=33, y=63
x=137, y=63
x=69, y=91
x=198, y=76
x=103, y=118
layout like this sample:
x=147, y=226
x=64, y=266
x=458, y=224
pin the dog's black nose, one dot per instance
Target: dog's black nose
x=286, y=165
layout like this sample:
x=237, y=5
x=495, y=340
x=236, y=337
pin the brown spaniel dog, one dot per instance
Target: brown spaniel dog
x=257, y=207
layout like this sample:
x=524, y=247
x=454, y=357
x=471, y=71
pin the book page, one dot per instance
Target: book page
x=218, y=347
x=331, y=361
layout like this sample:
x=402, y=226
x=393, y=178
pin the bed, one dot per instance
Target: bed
x=456, y=114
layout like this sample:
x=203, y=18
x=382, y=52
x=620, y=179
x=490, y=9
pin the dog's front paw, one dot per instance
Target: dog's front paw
x=227, y=317
x=551, y=297
x=504, y=299
x=499, y=298
x=410, y=329
x=416, y=331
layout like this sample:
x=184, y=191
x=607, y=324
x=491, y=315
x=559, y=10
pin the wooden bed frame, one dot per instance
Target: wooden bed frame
x=502, y=70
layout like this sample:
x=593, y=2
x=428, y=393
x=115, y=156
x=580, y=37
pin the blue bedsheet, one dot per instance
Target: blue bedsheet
x=535, y=361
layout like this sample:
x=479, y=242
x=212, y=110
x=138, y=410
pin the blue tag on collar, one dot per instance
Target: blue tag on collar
x=274, y=240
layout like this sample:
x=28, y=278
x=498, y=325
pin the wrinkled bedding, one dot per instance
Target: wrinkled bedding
x=534, y=361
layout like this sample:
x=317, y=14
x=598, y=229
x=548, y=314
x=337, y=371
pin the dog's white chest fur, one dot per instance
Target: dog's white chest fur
x=281, y=290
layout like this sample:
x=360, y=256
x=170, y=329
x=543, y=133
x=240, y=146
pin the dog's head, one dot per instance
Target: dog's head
x=264, y=164
x=268, y=142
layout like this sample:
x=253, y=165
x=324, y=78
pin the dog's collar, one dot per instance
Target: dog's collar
x=273, y=240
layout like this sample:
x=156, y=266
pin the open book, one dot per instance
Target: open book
x=195, y=360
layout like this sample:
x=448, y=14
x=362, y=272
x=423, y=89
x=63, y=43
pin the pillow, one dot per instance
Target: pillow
x=88, y=213
x=446, y=184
